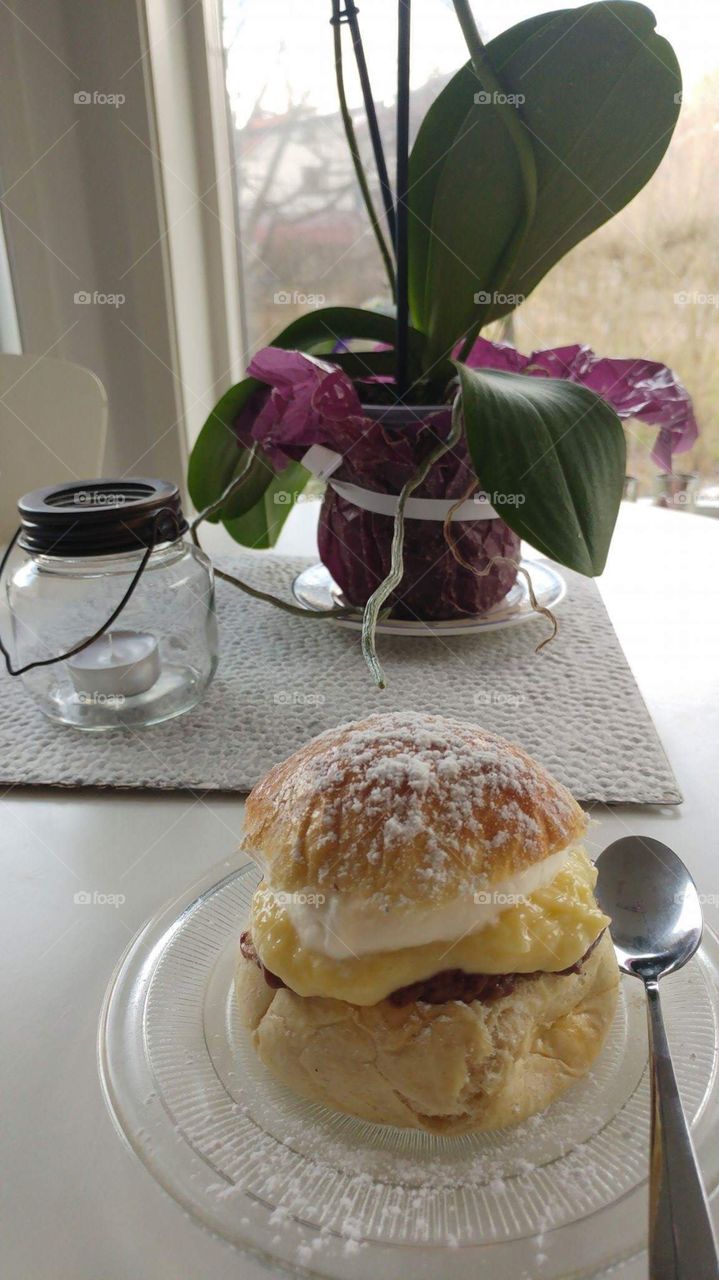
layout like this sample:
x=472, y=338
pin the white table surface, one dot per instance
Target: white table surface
x=75, y=1204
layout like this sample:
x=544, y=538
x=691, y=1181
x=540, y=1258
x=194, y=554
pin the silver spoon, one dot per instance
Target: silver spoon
x=656, y=927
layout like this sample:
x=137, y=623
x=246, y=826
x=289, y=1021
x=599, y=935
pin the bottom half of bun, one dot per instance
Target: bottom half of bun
x=446, y=1068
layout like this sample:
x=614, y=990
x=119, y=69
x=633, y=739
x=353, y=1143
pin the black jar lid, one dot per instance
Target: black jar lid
x=101, y=517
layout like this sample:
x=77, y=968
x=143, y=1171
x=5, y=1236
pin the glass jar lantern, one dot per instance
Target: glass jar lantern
x=110, y=552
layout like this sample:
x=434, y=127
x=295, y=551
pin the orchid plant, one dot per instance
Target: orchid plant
x=543, y=135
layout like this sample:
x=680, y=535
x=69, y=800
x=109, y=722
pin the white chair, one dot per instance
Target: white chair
x=53, y=424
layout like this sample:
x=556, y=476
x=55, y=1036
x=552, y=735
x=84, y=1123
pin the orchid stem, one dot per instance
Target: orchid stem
x=402, y=245
x=337, y=19
x=370, y=111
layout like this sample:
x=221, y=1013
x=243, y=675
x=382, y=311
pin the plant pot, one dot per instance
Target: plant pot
x=355, y=543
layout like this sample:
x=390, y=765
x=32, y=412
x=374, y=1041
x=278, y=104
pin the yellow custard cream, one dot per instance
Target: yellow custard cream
x=549, y=929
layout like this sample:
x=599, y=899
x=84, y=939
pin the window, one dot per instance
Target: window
x=305, y=235
x=9, y=329
x=647, y=284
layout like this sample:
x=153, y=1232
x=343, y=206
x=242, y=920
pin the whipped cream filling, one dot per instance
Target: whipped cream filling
x=343, y=925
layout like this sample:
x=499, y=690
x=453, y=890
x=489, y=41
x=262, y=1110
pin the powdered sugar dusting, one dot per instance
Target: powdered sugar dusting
x=470, y=806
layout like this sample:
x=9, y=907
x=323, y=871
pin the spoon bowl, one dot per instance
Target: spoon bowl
x=653, y=903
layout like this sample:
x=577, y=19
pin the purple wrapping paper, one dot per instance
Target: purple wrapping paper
x=634, y=388
x=308, y=402
x=311, y=402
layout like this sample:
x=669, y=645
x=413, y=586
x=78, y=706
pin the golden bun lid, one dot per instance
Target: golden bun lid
x=405, y=808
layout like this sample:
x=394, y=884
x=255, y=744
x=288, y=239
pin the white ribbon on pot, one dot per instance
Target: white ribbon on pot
x=323, y=462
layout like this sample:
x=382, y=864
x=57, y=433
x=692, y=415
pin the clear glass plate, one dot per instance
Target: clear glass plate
x=314, y=588
x=313, y=1192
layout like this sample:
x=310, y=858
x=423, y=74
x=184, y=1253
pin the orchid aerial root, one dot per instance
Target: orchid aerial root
x=396, y=569
x=214, y=509
x=481, y=573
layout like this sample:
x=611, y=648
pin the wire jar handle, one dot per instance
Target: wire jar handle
x=70, y=653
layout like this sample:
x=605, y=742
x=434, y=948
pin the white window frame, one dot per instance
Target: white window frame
x=81, y=212
x=196, y=167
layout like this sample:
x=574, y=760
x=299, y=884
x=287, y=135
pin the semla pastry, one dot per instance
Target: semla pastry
x=425, y=948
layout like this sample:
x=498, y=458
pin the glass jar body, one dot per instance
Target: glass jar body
x=55, y=602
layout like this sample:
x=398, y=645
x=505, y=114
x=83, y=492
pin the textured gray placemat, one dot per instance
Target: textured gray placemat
x=574, y=706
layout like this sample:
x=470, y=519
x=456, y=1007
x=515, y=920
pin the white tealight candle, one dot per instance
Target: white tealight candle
x=120, y=663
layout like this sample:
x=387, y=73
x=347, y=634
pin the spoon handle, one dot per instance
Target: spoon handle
x=681, y=1239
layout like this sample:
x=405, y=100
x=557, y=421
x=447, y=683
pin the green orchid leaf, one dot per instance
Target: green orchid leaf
x=440, y=128
x=261, y=525
x=605, y=135
x=449, y=123
x=217, y=456
x=598, y=92
x=552, y=457
x=343, y=324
